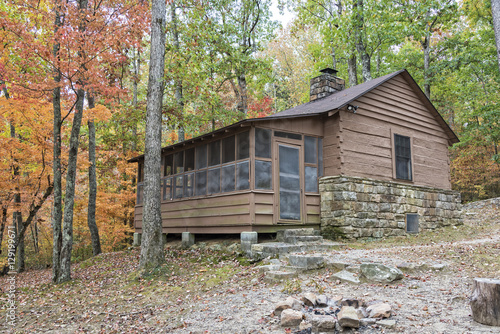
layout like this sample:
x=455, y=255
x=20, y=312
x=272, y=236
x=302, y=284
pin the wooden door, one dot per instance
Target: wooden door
x=289, y=183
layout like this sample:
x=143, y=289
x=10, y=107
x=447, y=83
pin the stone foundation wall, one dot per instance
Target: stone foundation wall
x=360, y=207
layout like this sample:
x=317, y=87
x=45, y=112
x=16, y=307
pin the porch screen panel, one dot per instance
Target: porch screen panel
x=214, y=153
x=263, y=174
x=201, y=156
x=227, y=178
x=213, y=183
x=168, y=165
x=178, y=186
x=262, y=143
x=189, y=185
x=228, y=149
x=201, y=183
x=243, y=145
x=189, y=160
x=289, y=179
x=179, y=162
x=167, y=189
x=243, y=175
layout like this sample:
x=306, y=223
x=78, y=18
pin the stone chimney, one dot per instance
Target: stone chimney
x=325, y=84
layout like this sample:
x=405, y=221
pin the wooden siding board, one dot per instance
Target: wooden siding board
x=207, y=221
x=207, y=212
x=264, y=209
x=261, y=219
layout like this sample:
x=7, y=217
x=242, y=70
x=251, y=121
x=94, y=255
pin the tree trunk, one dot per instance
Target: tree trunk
x=69, y=196
x=91, y=222
x=152, y=241
x=495, y=11
x=427, y=59
x=137, y=69
x=3, y=223
x=242, y=85
x=56, y=160
x=485, y=301
x=179, y=98
x=360, y=45
x=352, y=70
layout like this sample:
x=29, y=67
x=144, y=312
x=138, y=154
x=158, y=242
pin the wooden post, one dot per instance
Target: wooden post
x=485, y=301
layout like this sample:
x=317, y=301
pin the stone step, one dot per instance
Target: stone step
x=278, y=276
x=308, y=262
x=282, y=234
x=302, y=239
x=273, y=249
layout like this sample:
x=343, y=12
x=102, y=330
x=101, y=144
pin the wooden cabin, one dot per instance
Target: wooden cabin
x=263, y=174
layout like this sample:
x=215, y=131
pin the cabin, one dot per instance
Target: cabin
x=368, y=161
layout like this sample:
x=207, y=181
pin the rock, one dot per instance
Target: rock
x=307, y=262
x=309, y=299
x=438, y=266
x=335, y=300
x=323, y=322
x=351, y=302
x=348, y=317
x=373, y=302
x=382, y=310
x=290, y=318
x=362, y=313
x=268, y=267
x=346, y=276
x=387, y=323
x=294, y=303
x=367, y=321
x=353, y=268
x=289, y=303
x=234, y=248
x=322, y=301
x=407, y=266
x=304, y=325
x=378, y=272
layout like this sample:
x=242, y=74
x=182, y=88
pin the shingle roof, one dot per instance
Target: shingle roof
x=336, y=100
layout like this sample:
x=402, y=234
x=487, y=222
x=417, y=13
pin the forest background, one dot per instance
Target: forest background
x=73, y=76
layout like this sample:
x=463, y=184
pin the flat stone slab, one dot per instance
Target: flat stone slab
x=377, y=272
x=346, y=276
x=278, y=276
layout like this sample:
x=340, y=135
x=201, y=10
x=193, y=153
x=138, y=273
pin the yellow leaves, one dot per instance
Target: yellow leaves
x=99, y=113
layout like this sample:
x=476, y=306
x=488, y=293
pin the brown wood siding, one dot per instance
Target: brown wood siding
x=304, y=125
x=264, y=208
x=393, y=108
x=331, y=146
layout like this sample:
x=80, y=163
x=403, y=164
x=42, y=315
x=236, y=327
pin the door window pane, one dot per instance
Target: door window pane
x=228, y=149
x=169, y=165
x=262, y=143
x=201, y=156
x=213, y=181
x=310, y=150
x=311, y=179
x=189, y=185
x=178, y=185
x=214, y=153
x=201, y=183
x=242, y=176
x=227, y=178
x=290, y=205
x=189, y=160
x=179, y=162
x=167, y=189
x=263, y=174
x=243, y=147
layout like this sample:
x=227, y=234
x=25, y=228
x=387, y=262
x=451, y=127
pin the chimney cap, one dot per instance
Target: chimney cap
x=329, y=70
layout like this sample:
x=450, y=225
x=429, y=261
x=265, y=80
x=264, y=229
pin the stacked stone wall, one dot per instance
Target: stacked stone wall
x=362, y=208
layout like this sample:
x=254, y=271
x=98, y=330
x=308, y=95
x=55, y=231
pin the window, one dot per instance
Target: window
x=167, y=189
x=402, y=149
x=179, y=162
x=287, y=135
x=201, y=183
x=178, y=186
x=262, y=143
x=213, y=184
x=189, y=185
x=313, y=160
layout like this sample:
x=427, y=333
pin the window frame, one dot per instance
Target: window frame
x=394, y=157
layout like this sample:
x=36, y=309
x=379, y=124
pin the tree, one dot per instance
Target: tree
x=495, y=11
x=152, y=254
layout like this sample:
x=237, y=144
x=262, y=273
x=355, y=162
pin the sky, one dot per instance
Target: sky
x=285, y=18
